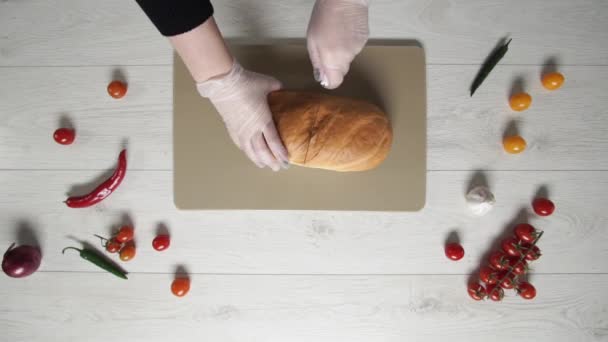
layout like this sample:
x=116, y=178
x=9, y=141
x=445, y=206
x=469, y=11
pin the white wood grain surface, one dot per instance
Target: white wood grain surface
x=565, y=129
x=96, y=307
x=73, y=32
x=304, y=276
x=299, y=242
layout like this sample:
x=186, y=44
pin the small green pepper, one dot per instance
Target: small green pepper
x=490, y=63
x=99, y=260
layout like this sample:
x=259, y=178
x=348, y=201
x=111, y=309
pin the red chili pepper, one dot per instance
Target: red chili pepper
x=104, y=189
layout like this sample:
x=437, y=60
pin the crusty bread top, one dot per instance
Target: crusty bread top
x=331, y=132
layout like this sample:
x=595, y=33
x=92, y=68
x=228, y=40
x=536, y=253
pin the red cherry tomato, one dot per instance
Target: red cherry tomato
x=520, y=267
x=499, y=260
x=180, y=286
x=127, y=252
x=543, y=206
x=495, y=292
x=477, y=291
x=454, y=251
x=117, y=89
x=64, y=136
x=125, y=234
x=113, y=246
x=161, y=242
x=507, y=281
x=532, y=253
x=488, y=275
x=525, y=232
x=511, y=246
x=526, y=290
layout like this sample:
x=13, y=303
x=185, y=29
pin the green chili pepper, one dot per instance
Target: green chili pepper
x=99, y=260
x=490, y=63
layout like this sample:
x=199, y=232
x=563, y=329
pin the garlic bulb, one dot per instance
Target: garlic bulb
x=480, y=200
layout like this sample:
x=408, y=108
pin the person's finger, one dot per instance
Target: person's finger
x=248, y=149
x=315, y=60
x=333, y=77
x=332, y=68
x=263, y=152
x=274, y=142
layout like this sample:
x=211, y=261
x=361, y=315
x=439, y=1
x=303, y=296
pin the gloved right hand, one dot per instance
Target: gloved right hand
x=337, y=32
x=240, y=96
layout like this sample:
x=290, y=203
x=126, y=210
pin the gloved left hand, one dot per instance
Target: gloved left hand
x=240, y=98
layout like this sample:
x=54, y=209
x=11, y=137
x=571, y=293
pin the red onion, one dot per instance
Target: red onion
x=21, y=261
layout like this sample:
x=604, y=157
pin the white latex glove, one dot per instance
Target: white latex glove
x=337, y=31
x=240, y=97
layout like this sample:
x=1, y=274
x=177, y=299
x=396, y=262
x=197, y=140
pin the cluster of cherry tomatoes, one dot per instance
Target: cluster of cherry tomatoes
x=66, y=136
x=507, y=267
x=521, y=101
x=122, y=243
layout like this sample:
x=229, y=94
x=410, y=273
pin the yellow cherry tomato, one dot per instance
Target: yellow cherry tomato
x=553, y=80
x=514, y=144
x=520, y=101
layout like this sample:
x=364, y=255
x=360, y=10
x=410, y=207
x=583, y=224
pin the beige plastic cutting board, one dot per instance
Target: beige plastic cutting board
x=211, y=173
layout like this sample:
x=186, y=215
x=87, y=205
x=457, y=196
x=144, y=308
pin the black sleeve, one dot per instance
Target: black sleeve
x=173, y=17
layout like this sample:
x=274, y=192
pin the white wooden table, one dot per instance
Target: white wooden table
x=305, y=276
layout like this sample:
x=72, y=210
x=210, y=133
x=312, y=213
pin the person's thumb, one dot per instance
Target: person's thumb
x=270, y=83
x=275, y=85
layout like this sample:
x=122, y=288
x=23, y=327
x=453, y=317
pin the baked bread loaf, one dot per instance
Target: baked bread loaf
x=331, y=132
